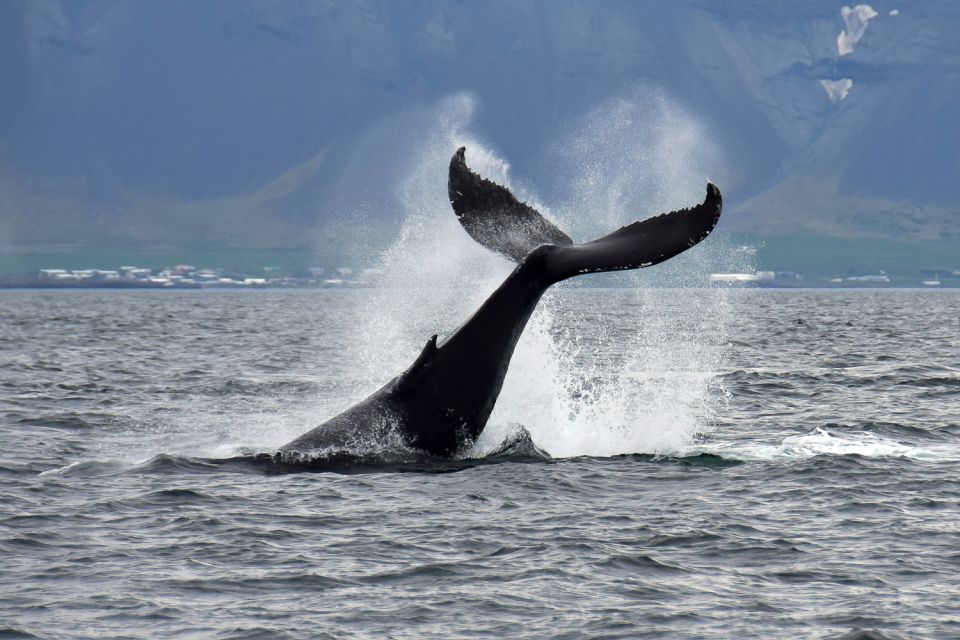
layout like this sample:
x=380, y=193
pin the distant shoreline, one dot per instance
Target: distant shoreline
x=89, y=286
x=348, y=286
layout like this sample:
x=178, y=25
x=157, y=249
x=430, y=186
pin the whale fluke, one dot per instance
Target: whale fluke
x=494, y=217
x=641, y=244
x=497, y=220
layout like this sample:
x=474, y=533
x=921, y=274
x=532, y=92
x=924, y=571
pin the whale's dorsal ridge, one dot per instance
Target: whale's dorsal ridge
x=415, y=371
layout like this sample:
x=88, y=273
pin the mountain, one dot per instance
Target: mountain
x=269, y=125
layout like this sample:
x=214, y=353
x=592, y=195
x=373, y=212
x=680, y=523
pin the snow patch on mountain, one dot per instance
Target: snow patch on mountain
x=837, y=90
x=856, y=20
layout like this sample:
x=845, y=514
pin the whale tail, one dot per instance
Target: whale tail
x=641, y=244
x=498, y=221
x=494, y=217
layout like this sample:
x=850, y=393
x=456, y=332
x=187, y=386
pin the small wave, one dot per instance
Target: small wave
x=24, y=541
x=87, y=468
x=258, y=388
x=162, y=463
x=639, y=564
x=9, y=633
x=172, y=497
x=890, y=430
x=166, y=463
x=946, y=384
x=27, y=469
x=282, y=581
x=69, y=421
x=864, y=634
x=517, y=442
x=821, y=441
x=695, y=460
x=177, y=497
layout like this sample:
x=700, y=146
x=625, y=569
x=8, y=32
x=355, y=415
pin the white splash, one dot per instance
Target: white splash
x=434, y=274
x=650, y=387
x=648, y=384
x=837, y=90
x=856, y=20
x=597, y=389
x=630, y=158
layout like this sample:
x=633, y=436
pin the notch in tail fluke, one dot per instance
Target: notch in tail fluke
x=494, y=217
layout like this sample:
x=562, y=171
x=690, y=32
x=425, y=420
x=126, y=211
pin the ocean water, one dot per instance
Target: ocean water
x=663, y=463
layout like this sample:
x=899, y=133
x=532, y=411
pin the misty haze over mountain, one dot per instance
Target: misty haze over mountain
x=269, y=126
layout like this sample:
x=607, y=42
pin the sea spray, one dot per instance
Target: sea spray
x=608, y=384
x=434, y=275
x=614, y=385
x=629, y=158
x=602, y=385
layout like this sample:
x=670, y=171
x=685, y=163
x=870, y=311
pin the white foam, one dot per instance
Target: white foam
x=820, y=441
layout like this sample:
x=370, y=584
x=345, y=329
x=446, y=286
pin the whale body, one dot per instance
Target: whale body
x=441, y=403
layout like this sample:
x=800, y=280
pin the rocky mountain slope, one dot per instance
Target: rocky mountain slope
x=269, y=124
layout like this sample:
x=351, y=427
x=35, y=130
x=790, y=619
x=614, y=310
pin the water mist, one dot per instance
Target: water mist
x=598, y=371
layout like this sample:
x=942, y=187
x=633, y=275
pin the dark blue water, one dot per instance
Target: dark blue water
x=671, y=464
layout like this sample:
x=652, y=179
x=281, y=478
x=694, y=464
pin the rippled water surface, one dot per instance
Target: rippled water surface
x=663, y=463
